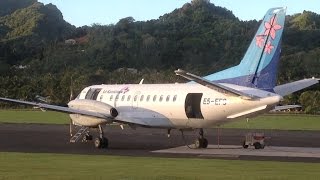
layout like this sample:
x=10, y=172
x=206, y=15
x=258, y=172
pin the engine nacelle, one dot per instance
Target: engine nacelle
x=93, y=106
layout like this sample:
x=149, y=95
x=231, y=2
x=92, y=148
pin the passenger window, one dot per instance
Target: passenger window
x=154, y=98
x=141, y=98
x=129, y=97
x=148, y=98
x=117, y=97
x=168, y=98
x=161, y=98
x=123, y=97
x=111, y=97
x=174, y=98
x=135, y=97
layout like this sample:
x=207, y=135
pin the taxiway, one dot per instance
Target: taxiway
x=281, y=145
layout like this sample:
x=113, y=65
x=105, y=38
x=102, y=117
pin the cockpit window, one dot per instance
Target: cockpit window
x=92, y=94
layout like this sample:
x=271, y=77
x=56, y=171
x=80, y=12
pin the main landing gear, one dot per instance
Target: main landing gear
x=201, y=142
x=101, y=141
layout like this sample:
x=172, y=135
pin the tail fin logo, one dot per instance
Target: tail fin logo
x=271, y=28
x=268, y=48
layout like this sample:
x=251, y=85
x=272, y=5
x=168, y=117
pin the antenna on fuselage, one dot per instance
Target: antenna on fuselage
x=141, y=82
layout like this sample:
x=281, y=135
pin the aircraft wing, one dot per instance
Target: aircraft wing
x=279, y=108
x=289, y=88
x=212, y=85
x=120, y=119
x=59, y=108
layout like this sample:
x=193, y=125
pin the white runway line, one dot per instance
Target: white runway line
x=236, y=151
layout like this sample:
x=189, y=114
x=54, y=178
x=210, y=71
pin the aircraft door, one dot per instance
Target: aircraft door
x=193, y=105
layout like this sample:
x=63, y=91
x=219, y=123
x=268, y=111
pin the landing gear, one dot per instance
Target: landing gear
x=101, y=141
x=87, y=137
x=201, y=142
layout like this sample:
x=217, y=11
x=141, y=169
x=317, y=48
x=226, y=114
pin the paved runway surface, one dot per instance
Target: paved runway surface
x=154, y=142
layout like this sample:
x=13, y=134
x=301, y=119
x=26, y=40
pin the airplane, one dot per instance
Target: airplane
x=242, y=91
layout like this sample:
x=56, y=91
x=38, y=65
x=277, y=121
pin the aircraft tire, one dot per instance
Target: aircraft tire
x=105, y=143
x=98, y=142
x=204, y=143
x=244, y=145
x=87, y=138
x=257, y=145
x=198, y=143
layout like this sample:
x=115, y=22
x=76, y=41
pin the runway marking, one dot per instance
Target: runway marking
x=236, y=151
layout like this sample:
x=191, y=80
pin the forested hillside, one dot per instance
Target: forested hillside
x=41, y=54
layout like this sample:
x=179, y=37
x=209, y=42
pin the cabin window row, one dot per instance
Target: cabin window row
x=145, y=98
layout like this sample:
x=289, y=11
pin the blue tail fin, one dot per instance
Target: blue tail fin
x=259, y=65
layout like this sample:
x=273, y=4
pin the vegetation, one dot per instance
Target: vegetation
x=279, y=122
x=36, y=59
x=60, y=166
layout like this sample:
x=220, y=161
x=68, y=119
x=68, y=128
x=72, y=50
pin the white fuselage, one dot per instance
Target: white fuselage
x=178, y=105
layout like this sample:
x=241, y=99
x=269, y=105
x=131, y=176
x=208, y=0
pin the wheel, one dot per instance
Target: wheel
x=198, y=143
x=105, y=143
x=201, y=143
x=257, y=145
x=98, y=143
x=204, y=143
x=101, y=142
x=244, y=145
x=87, y=138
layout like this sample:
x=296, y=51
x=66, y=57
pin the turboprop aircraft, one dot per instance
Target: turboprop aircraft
x=245, y=90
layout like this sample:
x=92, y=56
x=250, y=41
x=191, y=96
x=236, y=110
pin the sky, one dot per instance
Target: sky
x=84, y=12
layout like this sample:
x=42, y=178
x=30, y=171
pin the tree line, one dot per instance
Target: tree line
x=36, y=59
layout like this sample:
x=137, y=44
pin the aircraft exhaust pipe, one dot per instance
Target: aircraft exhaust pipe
x=114, y=112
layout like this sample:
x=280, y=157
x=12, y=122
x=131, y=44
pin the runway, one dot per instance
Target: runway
x=281, y=145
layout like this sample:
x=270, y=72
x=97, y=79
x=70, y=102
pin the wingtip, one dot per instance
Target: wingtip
x=179, y=71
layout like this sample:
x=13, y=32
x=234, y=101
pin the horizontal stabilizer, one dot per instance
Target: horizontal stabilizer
x=292, y=87
x=212, y=85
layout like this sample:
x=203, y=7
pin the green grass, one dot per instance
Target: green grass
x=270, y=121
x=31, y=116
x=279, y=121
x=61, y=166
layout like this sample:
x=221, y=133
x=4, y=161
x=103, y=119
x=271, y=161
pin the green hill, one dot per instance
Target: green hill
x=35, y=57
